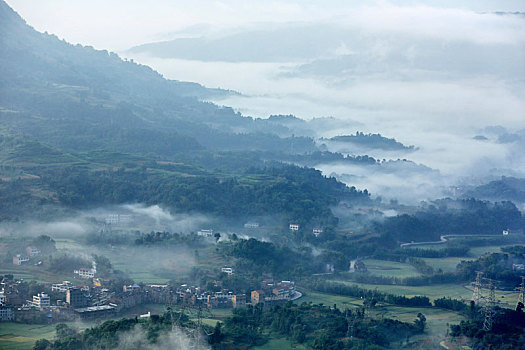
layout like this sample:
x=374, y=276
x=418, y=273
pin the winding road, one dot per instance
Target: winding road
x=442, y=239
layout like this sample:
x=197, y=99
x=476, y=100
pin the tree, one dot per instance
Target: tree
x=217, y=336
x=420, y=322
x=41, y=344
x=64, y=331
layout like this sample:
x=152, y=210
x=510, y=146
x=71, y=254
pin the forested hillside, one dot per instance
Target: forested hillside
x=82, y=127
x=78, y=98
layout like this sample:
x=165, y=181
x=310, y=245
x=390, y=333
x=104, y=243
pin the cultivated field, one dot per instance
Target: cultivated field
x=278, y=344
x=390, y=268
x=23, y=336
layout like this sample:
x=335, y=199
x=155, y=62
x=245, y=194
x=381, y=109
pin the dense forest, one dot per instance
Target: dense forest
x=506, y=188
x=469, y=216
x=300, y=194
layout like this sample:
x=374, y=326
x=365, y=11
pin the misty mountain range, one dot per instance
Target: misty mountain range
x=337, y=49
x=69, y=105
x=77, y=98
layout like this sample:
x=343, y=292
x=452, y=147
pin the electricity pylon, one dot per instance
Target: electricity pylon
x=477, y=288
x=489, y=306
x=521, y=295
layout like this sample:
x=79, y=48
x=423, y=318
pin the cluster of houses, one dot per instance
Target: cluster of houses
x=317, y=231
x=15, y=305
x=88, y=302
x=274, y=293
x=270, y=293
x=31, y=252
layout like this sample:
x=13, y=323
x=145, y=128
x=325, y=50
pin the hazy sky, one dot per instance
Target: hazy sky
x=119, y=24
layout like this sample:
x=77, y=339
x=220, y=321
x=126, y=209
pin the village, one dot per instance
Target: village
x=90, y=298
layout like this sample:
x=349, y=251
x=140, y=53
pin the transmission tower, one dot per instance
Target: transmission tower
x=489, y=306
x=350, y=319
x=477, y=288
x=521, y=295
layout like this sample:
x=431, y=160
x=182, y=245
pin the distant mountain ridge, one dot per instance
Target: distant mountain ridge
x=506, y=188
x=372, y=141
x=253, y=45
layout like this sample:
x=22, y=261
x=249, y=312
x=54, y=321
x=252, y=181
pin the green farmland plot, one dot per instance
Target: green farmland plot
x=445, y=264
x=278, y=344
x=23, y=336
x=390, y=268
x=436, y=291
x=456, y=291
x=342, y=302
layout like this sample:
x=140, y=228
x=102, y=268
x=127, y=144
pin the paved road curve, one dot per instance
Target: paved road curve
x=442, y=239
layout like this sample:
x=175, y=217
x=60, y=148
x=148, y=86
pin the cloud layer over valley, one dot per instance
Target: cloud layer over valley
x=433, y=75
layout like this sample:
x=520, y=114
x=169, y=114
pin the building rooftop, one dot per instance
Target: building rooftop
x=94, y=308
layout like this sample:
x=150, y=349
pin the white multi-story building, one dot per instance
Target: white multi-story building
x=41, y=300
x=294, y=227
x=85, y=272
x=205, y=233
x=251, y=225
x=317, y=231
x=61, y=287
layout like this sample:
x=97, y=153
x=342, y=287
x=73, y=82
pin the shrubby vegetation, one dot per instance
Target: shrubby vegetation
x=497, y=266
x=107, y=335
x=450, y=304
x=151, y=238
x=449, y=251
x=507, y=332
x=255, y=257
x=317, y=326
